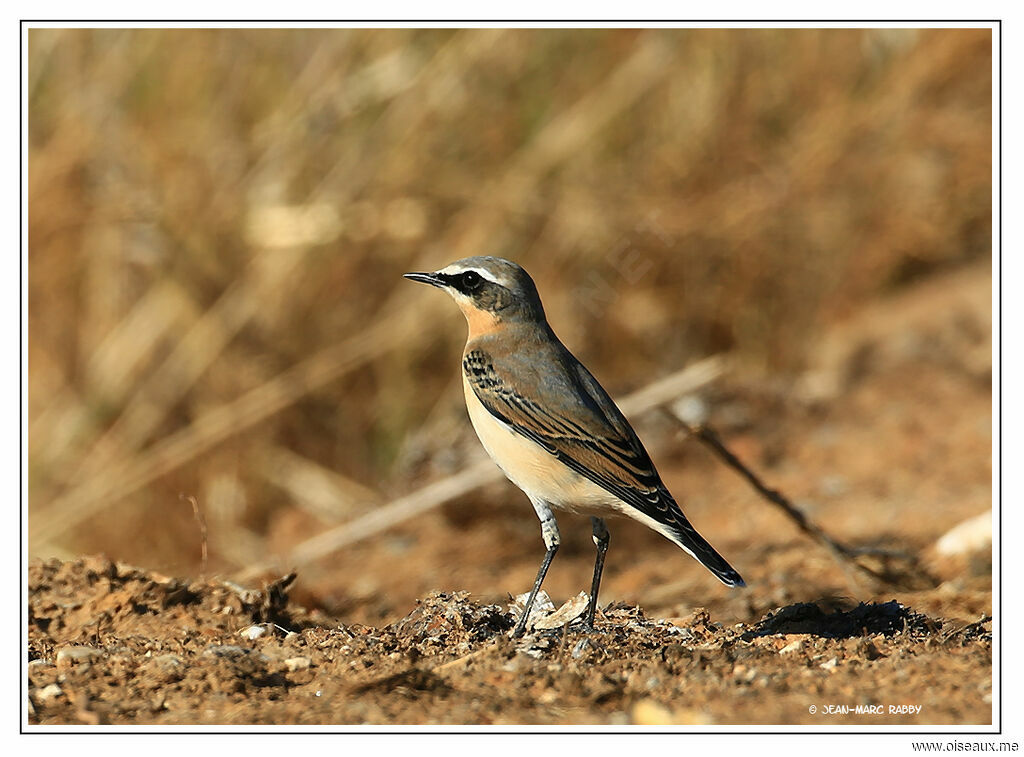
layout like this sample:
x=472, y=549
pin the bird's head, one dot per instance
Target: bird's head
x=489, y=291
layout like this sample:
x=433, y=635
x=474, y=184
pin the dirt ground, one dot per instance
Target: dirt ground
x=885, y=442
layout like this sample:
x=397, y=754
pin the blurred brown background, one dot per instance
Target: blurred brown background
x=219, y=221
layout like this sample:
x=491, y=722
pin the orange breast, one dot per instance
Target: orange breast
x=480, y=321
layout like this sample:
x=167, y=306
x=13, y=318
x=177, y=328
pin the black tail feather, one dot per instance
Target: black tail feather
x=686, y=536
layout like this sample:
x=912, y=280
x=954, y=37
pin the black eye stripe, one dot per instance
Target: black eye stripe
x=466, y=282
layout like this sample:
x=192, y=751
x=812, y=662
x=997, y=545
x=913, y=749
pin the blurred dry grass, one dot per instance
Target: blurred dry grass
x=218, y=221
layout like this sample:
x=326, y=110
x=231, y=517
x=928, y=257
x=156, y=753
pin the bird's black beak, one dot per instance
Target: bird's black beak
x=426, y=278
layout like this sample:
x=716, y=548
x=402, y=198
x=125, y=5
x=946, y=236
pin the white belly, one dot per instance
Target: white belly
x=535, y=470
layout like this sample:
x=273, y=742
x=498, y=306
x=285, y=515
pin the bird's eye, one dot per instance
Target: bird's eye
x=471, y=280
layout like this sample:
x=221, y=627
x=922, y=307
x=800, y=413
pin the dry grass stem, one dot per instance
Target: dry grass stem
x=201, y=521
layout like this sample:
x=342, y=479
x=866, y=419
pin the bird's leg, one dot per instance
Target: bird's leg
x=549, y=530
x=601, y=538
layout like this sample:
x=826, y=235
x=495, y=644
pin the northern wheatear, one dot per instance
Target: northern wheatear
x=548, y=424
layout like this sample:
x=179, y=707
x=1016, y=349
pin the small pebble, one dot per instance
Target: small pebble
x=47, y=693
x=167, y=661
x=253, y=632
x=166, y=668
x=297, y=663
x=69, y=656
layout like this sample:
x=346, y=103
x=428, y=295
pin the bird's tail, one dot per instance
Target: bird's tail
x=682, y=533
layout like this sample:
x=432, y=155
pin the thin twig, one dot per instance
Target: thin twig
x=202, y=531
x=843, y=554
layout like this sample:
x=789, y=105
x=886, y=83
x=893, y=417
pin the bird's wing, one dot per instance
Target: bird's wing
x=563, y=416
x=570, y=415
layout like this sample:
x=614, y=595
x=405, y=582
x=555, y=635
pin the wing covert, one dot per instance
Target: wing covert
x=590, y=436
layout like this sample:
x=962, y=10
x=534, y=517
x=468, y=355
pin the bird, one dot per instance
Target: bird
x=550, y=426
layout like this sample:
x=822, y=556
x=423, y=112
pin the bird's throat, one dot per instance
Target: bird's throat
x=481, y=322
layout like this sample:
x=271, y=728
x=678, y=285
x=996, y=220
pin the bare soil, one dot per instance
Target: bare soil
x=114, y=644
x=886, y=442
